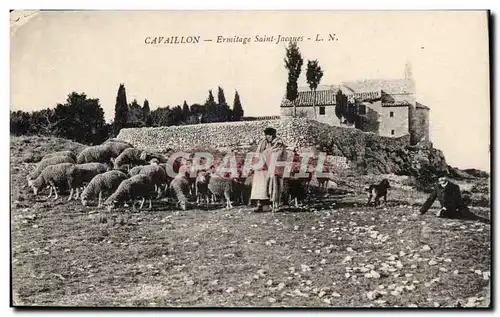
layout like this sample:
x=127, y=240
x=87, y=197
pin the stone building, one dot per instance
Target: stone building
x=389, y=106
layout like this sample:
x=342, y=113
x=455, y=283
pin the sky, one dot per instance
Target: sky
x=55, y=53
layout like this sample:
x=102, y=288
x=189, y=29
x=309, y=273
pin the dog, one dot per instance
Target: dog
x=378, y=191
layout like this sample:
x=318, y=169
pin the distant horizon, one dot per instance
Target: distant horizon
x=55, y=53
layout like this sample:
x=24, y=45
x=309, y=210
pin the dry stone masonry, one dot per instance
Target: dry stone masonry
x=367, y=152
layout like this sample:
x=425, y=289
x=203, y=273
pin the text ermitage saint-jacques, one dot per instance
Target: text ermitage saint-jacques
x=274, y=39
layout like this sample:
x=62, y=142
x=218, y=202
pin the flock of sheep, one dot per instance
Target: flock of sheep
x=128, y=174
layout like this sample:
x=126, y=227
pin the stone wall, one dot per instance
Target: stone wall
x=329, y=117
x=224, y=135
x=367, y=152
x=395, y=126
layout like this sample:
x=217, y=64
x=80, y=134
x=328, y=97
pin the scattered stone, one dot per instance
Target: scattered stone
x=372, y=295
x=271, y=300
x=230, y=290
x=426, y=248
x=327, y=301
x=305, y=268
x=335, y=294
x=432, y=262
x=269, y=283
x=410, y=287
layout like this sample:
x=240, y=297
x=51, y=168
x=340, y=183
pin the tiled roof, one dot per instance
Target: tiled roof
x=390, y=86
x=306, y=98
x=369, y=89
x=320, y=87
x=394, y=100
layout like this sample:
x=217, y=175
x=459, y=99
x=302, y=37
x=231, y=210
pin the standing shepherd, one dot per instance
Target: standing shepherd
x=268, y=185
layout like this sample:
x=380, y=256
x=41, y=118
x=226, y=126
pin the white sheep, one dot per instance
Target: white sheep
x=97, y=153
x=139, y=186
x=180, y=187
x=220, y=186
x=84, y=173
x=157, y=174
x=107, y=182
x=43, y=164
x=67, y=153
x=55, y=176
x=131, y=156
x=117, y=147
x=135, y=170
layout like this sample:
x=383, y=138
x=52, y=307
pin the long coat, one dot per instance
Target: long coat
x=266, y=185
x=449, y=198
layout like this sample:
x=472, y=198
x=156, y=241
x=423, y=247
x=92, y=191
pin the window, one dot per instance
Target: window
x=392, y=131
x=391, y=114
x=321, y=110
x=362, y=109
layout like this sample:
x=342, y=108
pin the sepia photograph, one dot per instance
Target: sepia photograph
x=250, y=159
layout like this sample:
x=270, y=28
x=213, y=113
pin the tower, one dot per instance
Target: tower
x=408, y=72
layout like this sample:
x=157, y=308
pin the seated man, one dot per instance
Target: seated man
x=450, y=198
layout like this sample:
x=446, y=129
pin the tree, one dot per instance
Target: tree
x=237, y=108
x=160, y=117
x=135, y=116
x=351, y=113
x=293, y=63
x=176, y=115
x=314, y=75
x=223, y=112
x=186, y=112
x=121, y=110
x=340, y=105
x=146, y=111
x=20, y=122
x=210, y=108
x=198, y=112
x=80, y=119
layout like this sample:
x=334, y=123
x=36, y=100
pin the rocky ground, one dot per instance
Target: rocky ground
x=333, y=252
